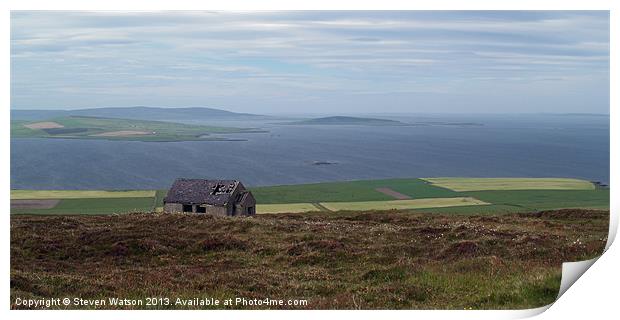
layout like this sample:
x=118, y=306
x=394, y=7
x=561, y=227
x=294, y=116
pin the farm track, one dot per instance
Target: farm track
x=34, y=204
x=394, y=194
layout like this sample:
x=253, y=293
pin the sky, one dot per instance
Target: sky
x=344, y=62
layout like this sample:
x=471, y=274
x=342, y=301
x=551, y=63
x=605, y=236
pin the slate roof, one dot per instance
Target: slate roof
x=201, y=191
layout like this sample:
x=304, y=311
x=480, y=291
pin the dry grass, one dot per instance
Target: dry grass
x=285, y=208
x=374, y=260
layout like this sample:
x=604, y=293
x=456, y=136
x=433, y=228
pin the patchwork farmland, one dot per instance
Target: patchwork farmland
x=81, y=201
x=440, y=195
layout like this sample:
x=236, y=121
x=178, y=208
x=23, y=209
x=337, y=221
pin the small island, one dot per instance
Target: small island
x=343, y=120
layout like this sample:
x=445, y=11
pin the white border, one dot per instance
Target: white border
x=245, y=5
x=594, y=294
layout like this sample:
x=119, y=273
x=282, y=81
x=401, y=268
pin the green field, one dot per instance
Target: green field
x=492, y=209
x=546, y=199
x=348, y=191
x=479, y=184
x=349, y=195
x=75, y=127
x=507, y=201
x=89, y=201
x=402, y=204
x=94, y=206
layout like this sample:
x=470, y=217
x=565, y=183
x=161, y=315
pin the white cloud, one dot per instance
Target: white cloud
x=203, y=55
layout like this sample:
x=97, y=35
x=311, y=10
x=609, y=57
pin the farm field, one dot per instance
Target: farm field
x=285, y=208
x=349, y=191
x=403, y=204
x=75, y=127
x=546, y=199
x=96, y=206
x=478, y=184
x=507, y=201
x=351, y=260
x=349, y=195
x=491, y=209
x=368, y=205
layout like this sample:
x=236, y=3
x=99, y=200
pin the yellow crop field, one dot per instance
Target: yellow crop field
x=79, y=194
x=404, y=204
x=483, y=184
x=285, y=208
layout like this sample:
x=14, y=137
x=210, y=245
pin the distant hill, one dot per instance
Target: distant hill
x=139, y=113
x=342, y=120
x=108, y=128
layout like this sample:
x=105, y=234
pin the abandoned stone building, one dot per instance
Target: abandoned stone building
x=222, y=197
